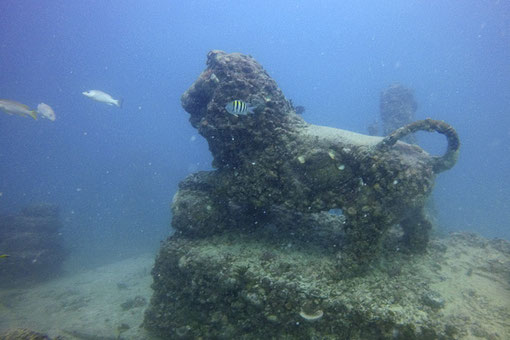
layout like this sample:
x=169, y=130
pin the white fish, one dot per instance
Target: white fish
x=102, y=97
x=46, y=111
x=14, y=108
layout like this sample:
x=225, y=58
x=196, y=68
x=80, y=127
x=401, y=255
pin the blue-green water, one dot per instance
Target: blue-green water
x=114, y=171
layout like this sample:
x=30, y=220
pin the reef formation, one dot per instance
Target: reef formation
x=328, y=198
x=32, y=242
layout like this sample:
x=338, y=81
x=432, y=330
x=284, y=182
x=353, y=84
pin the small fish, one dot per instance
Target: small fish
x=11, y=107
x=46, y=111
x=3, y=256
x=102, y=97
x=300, y=109
x=238, y=107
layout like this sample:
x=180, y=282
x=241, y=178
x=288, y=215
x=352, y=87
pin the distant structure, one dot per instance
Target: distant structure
x=398, y=108
x=31, y=245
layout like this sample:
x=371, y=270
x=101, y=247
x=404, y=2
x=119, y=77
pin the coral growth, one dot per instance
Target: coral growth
x=273, y=158
x=227, y=287
x=289, y=204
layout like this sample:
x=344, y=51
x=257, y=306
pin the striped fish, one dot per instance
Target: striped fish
x=238, y=107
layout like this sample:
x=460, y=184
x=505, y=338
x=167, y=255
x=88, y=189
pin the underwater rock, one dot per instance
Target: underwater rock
x=433, y=300
x=137, y=301
x=32, y=241
x=227, y=287
x=23, y=334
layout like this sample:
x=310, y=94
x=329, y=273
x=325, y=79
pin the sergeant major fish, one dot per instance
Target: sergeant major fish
x=102, y=97
x=238, y=107
x=14, y=108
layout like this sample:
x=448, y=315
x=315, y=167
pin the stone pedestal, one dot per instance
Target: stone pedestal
x=266, y=285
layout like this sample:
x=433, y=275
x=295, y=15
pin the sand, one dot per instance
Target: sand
x=472, y=275
x=85, y=305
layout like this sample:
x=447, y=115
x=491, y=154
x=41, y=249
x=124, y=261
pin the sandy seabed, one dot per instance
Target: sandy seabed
x=471, y=273
x=100, y=303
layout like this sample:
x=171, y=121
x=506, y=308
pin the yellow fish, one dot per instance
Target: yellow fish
x=3, y=256
x=11, y=107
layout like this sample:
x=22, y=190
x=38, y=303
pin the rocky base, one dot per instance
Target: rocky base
x=23, y=334
x=253, y=286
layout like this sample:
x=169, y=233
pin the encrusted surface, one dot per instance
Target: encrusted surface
x=252, y=286
x=272, y=242
x=272, y=158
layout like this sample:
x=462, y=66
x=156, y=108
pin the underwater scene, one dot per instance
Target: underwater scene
x=255, y=169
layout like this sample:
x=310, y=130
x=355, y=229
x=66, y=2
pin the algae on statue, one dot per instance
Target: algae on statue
x=273, y=158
